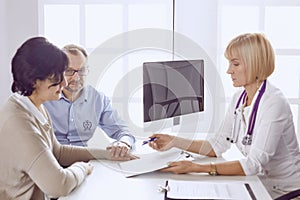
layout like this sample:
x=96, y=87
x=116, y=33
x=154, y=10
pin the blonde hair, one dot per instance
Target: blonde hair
x=256, y=53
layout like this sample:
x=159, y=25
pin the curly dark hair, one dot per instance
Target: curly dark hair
x=37, y=59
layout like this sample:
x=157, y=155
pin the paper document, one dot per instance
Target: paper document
x=150, y=162
x=206, y=190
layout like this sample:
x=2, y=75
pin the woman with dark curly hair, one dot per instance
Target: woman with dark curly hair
x=28, y=147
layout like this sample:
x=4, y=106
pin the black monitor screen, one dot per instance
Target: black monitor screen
x=172, y=88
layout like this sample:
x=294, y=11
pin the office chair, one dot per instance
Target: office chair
x=290, y=195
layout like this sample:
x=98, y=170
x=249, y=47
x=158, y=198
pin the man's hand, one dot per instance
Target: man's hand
x=120, y=151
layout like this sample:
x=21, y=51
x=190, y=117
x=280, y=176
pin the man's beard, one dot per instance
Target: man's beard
x=79, y=88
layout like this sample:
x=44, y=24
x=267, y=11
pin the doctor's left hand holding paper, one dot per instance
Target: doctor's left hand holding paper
x=182, y=167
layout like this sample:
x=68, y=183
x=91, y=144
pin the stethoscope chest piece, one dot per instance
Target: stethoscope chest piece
x=247, y=140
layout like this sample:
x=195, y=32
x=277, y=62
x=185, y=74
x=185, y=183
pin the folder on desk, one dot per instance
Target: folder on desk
x=187, y=190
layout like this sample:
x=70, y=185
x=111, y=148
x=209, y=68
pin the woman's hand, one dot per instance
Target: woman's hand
x=162, y=142
x=89, y=167
x=181, y=167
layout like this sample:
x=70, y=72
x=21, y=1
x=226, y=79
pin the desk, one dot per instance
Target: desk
x=106, y=183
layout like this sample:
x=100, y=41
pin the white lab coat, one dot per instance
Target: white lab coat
x=274, y=152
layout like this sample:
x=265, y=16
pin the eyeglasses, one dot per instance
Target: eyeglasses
x=81, y=72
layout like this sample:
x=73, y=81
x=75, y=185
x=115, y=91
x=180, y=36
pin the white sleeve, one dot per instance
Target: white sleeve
x=219, y=142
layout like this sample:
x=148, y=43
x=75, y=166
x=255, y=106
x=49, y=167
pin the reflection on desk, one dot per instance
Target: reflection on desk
x=107, y=183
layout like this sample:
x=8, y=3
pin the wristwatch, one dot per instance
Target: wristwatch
x=129, y=146
x=213, y=169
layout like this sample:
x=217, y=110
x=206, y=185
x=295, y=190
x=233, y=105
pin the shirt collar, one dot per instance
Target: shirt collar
x=82, y=98
x=27, y=104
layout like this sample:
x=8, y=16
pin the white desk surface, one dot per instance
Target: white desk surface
x=107, y=183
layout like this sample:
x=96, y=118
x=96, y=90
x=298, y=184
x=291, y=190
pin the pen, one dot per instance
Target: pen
x=150, y=140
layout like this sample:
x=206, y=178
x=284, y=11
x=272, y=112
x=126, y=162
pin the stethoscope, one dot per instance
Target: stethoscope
x=247, y=140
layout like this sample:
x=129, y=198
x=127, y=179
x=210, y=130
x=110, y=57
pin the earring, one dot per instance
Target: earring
x=257, y=83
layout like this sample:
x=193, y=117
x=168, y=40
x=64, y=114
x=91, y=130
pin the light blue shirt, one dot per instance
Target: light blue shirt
x=75, y=122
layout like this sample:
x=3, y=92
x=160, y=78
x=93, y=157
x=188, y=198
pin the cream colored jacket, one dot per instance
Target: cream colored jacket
x=32, y=159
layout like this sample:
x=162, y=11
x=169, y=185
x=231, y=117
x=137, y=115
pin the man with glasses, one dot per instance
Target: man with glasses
x=82, y=108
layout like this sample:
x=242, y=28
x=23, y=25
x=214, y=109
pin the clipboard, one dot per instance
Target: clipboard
x=167, y=190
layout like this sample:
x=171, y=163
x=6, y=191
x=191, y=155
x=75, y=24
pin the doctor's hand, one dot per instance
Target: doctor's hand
x=162, y=142
x=182, y=167
x=120, y=151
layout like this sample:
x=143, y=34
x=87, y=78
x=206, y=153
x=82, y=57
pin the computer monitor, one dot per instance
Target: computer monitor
x=172, y=89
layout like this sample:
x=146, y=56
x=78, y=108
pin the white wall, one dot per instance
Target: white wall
x=18, y=22
x=4, y=69
x=200, y=25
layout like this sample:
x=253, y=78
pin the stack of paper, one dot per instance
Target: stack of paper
x=150, y=162
x=207, y=190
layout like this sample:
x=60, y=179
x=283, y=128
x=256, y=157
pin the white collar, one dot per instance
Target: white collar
x=27, y=104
